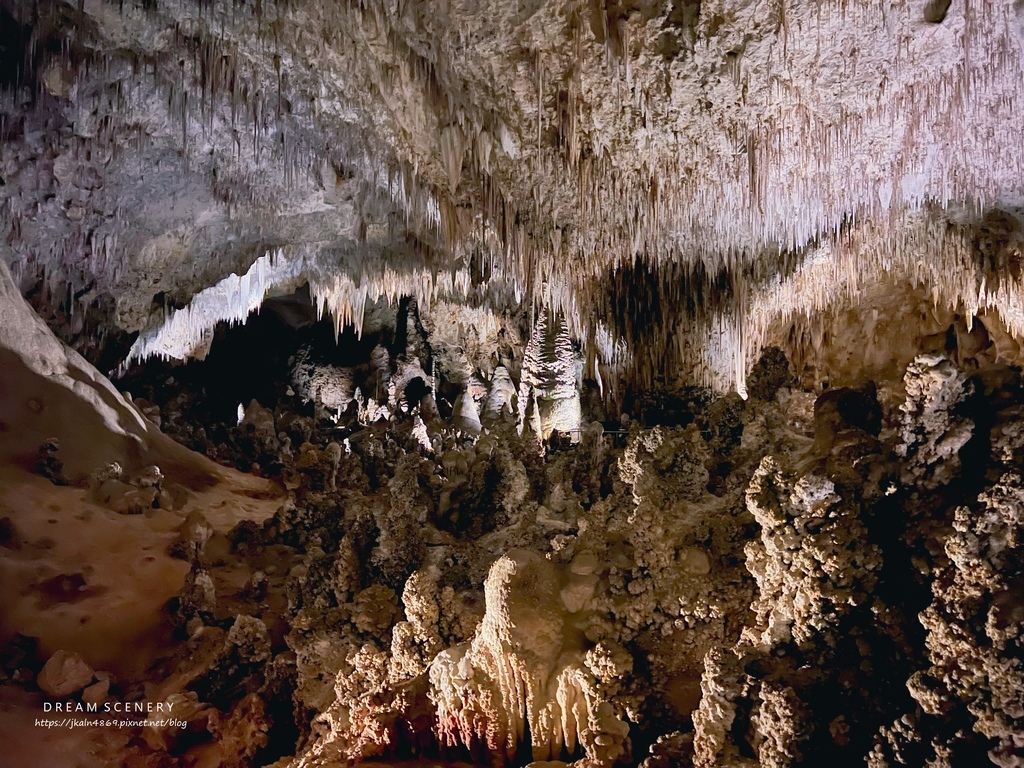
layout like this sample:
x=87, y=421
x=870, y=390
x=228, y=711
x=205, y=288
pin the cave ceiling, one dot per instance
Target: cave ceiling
x=679, y=179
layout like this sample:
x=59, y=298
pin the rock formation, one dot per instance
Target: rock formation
x=532, y=383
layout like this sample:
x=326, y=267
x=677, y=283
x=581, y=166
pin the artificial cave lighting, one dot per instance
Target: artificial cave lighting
x=600, y=384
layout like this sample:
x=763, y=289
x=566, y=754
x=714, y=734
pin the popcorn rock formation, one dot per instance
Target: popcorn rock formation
x=545, y=383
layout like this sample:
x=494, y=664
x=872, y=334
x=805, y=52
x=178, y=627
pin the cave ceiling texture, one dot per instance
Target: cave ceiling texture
x=615, y=382
x=750, y=165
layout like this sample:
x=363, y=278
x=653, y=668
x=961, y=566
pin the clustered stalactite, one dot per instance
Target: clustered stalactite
x=633, y=383
x=793, y=578
x=513, y=157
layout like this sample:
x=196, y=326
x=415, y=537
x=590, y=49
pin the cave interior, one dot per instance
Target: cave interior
x=591, y=383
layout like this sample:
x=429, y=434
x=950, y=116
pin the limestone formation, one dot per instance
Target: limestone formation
x=64, y=673
x=548, y=382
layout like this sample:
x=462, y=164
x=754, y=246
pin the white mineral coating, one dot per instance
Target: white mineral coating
x=549, y=387
x=931, y=434
x=188, y=332
x=518, y=670
x=330, y=385
x=846, y=139
x=465, y=415
x=501, y=394
x=52, y=391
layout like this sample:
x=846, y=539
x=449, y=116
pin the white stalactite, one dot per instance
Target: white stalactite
x=189, y=331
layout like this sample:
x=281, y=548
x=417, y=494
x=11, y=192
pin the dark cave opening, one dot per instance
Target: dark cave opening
x=750, y=490
x=199, y=400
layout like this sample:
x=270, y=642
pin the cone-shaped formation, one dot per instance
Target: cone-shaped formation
x=500, y=396
x=550, y=379
x=466, y=415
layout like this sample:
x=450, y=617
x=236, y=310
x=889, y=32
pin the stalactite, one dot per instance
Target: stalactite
x=232, y=300
x=764, y=163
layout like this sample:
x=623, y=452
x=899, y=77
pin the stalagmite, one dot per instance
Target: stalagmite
x=516, y=677
x=500, y=395
x=747, y=276
x=465, y=414
x=551, y=379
